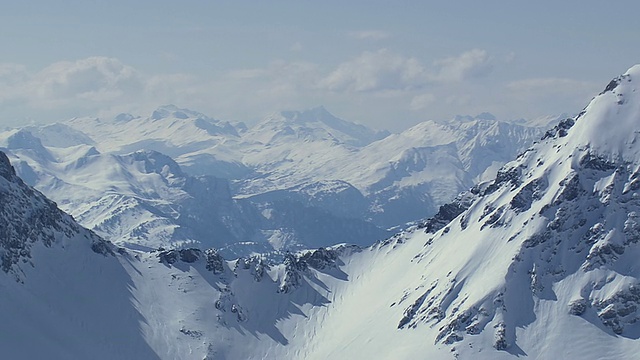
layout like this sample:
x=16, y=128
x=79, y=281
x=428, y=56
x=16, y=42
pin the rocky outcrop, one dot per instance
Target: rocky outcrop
x=28, y=218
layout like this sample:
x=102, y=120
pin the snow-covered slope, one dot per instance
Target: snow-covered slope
x=540, y=262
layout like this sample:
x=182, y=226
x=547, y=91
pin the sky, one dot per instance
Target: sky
x=384, y=64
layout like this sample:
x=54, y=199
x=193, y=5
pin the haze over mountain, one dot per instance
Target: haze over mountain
x=538, y=262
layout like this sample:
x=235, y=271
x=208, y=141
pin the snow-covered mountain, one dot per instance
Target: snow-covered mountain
x=144, y=200
x=197, y=142
x=231, y=185
x=539, y=262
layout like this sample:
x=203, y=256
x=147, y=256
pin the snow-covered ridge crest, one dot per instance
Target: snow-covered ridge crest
x=610, y=124
x=555, y=237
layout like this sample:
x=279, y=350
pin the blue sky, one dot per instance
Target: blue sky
x=386, y=64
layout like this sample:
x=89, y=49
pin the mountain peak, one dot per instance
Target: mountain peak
x=485, y=116
x=319, y=113
x=608, y=124
x=323, y=125
x=166, y=111
x=24, y=139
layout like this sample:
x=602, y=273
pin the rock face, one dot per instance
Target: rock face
x=28, y=219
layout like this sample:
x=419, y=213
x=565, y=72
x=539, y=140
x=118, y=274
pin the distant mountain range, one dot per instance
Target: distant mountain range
x=295, y=180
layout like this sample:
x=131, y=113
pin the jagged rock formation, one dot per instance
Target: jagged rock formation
x=28, y=219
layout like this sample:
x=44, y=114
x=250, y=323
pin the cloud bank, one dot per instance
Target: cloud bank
x=380, y=87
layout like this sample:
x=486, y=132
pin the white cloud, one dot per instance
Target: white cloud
x=12, y=73
x=369, y=35
x=422, y=101
x=96, y=79
x=378, y=81
x=83, y=83
x=71, y=88
x=246, y=74
x=374, y=71
x=382, y=70
x=470, y=64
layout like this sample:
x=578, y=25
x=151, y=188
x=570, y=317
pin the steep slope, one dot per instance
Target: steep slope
x=67, y=294
x=542, y=261
x=55, y=278
x=404, y=177
x=427, y=165
x=28, y=220
x=314, y=124
x=140, y=199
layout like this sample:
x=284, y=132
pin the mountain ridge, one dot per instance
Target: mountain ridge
x=394, y=180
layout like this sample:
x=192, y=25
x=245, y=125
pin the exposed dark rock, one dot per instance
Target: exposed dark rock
x=103, y=247
x=613, y=84
x=320, y=259
x=532, y=191
x=620, y=309
x=504, y=176
x=578, y=307
x=215, y=262
x=27, y=217
x=292, y=275
x=411, y=311
x=537, y=239
x=560, y=130
x=190, y=255
x=255, y=264
x=185, y=255
x=6, y=170
x=572, y=188
x=500, y=342
x=168, y=257
x=596, y=162
x=448, y=212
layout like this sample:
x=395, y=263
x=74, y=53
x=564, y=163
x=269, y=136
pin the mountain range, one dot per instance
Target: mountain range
x=540, y=261
x=294, y=180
